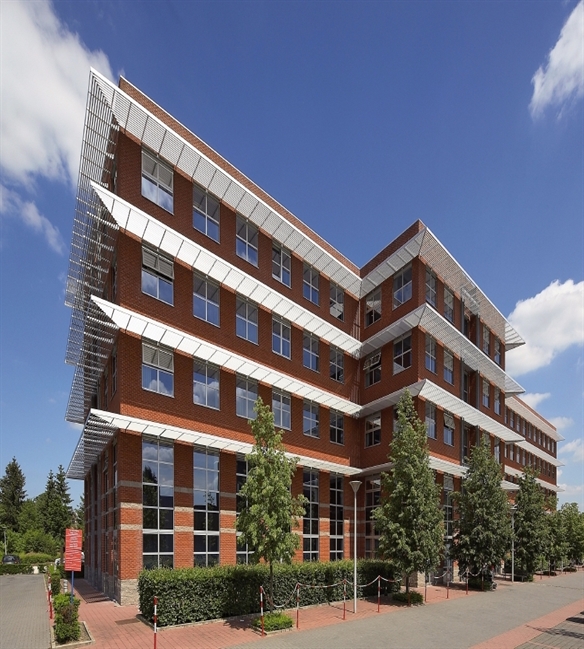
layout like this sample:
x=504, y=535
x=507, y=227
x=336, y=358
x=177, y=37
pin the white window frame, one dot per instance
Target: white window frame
x=281, y=265
x=373, y=430
x=402, y=286
x=157, y=272
x=497, y=353
x=430, y=286
x=160, y=362
x=154, y=186
x=430, y=354
x=448, y=304
x=207, y=295
x=449, y=428
x=310, y=419
x=337, y=364
x=337, y=302
x=486, y=340
x=246, y=320
x=373, y=307
x=337, y=517
x=246, y=395
x=403, y=353
x=430, y=410
x=337, y=427
x=209, y=387
x=311, y=519
x=206, y=488
x=310, y=352
x=449, y=366
x=246, y=240
x=282, y=409
x=206, y=213
x=281, y=337
x=310, y=283
x=372, y=369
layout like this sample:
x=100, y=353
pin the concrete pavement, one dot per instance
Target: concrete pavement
x=24, y=615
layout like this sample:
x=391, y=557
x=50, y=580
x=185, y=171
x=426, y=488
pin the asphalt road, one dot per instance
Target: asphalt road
x=24, y=618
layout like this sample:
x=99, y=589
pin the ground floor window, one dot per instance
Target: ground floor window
x=336, y=517
x=311, y=517
x=206, y=506
x=242, y=549
x=372, y=499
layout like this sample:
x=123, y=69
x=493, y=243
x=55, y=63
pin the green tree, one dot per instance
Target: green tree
x=409, y=519
x=12, y=495
x=55, y=505
x=556, y=548
x=483, y=528
x=530, y=524
x=269, y=510
x=573, y=524
x=29, y=517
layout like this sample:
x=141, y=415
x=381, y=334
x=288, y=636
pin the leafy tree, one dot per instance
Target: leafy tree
x=483, y=528
x=409, y=519
x=530, y=524
x=556, y=547
x=12, y=495
x=29, y=517
x=55, y=505
x=573, y=524
x=269, y=510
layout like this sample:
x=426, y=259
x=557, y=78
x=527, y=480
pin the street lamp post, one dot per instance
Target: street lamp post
x=355, y=484
x=513, y=508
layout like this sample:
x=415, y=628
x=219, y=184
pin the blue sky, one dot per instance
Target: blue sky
x=358, y=117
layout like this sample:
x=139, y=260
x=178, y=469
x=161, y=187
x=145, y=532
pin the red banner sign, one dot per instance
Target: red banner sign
x=73, y=542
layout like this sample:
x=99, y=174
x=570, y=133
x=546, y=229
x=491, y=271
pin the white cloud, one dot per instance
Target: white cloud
x=575, y=449
x=12, y=205
x=561, y=423
x=43, y=85
x=562, y=77
x=533, y=399
x=549, y=322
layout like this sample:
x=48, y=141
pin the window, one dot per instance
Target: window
x=310, y=352
x=281, y=265
x=337, y=427
x=337, y=302
x=497, y=451
x=486, y=340
x=281, y=337
x=246, y=320
x=157, y=369
x=206, y=506
x=430, y=420
x=497, y=401
x=157, y=275
x=336, y=517
x=448, y=367
x=511, y=419
x=373, y=430
x=402, y=286
x=114, y=366
x=246, y=240
x=372, y=500
x=497, y=351
x=310, y=419
x=448, y=304
x=206, y=384
x=430, y=287
x=243, y=552
x=372, y=369
x=430, y=354
x=512, y=452
x=337, y=364
x=206, y=213
x=157, y=180
x=282, y=409
x=158, y=504
x=310, y=522
x=206, y=300
x=310, y=280
x=486, y=394
x=402, y=353
x=373, y=307
x=448, y=429
x=246, y=394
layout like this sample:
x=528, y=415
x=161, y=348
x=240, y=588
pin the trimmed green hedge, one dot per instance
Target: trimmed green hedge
x=194, y=594
x=36, y=559
x=15, y=569
x=67, y=626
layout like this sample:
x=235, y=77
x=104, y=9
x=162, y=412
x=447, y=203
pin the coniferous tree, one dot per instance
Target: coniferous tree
x=483, y=528
x=269, y=511
x=12, y=495
x=409, y=519
x=530, y=524
x=55, y=505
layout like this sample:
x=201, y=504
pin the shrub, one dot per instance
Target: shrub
x=402, y=596
x=194, y=594
x=15, y=569
x=66, y=618
x=36, y=558
x=55, y=577
x=273, y=622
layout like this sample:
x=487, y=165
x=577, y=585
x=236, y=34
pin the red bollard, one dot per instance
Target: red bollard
x=378, y=592
x=447, y=585
x=262, y=609
x=467, y=582
x=155, y=619
x=344, y=598
x=297, y=604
